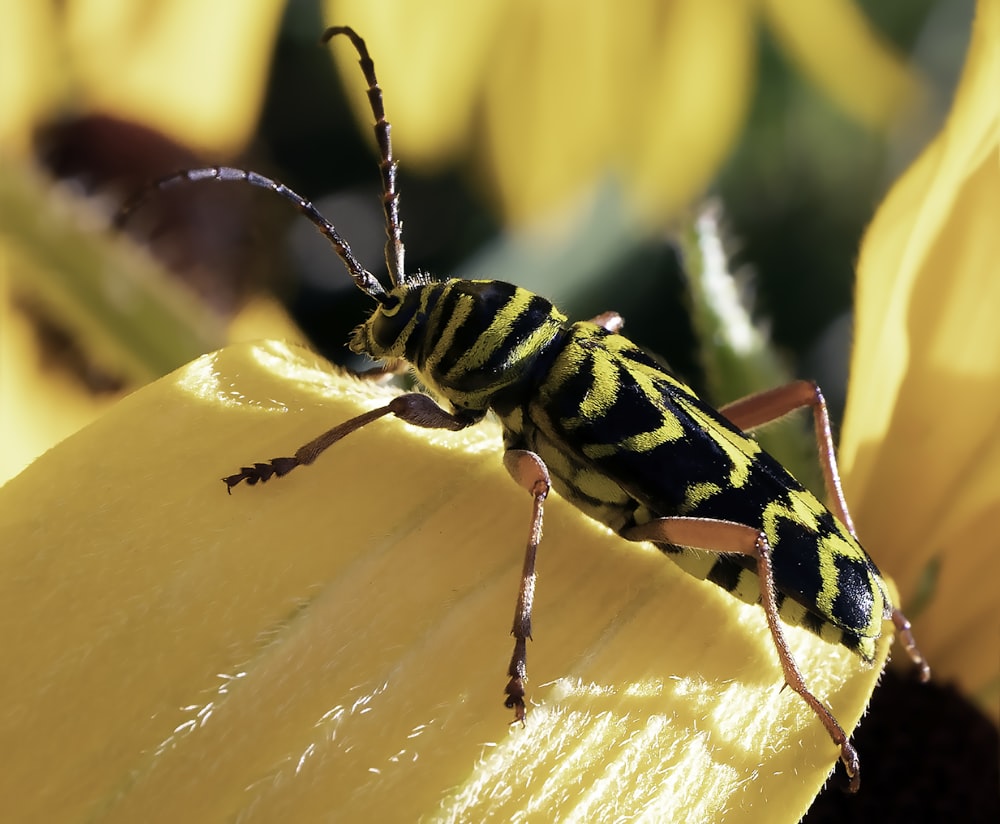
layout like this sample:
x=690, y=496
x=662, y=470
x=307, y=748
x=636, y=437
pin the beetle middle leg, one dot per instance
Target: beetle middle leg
x=728, y=536
x=530, y=473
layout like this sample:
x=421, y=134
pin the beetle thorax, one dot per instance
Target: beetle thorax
x=467, y=340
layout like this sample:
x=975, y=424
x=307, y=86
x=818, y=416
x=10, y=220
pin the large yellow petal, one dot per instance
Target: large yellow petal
x=334, y=643
x=921, y=440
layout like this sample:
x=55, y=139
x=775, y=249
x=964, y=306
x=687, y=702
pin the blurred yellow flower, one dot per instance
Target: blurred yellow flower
x=920, y=447
x=551, y=97
x=193, y=71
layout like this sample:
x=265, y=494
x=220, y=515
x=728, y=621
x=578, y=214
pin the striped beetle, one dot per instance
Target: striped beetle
x=588, y=413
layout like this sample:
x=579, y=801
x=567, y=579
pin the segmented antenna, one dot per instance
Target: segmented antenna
x=365, y=280
x=394, y=252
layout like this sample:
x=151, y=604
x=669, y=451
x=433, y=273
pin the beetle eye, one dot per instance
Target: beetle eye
x=391, y=305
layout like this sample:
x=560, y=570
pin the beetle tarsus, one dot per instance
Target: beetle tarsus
x=260, y=472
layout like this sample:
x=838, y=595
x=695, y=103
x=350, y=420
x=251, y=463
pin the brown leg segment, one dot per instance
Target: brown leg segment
x=764, y=407
x=910, y=645
x=530, y=473
x=609, y=322
x=413, y=408
x=727, y=536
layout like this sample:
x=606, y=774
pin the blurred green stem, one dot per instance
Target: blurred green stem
x=736, y=353
x=124, y=309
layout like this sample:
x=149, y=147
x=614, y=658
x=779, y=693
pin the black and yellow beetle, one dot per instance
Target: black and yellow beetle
x=588, y=413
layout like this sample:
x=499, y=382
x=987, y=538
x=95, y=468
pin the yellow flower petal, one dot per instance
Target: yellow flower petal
x=835, y=45
x=334, y=643
x=552, y=100
x=920, y=442
x=686, y=104
x=193, y=70
x=29, y=71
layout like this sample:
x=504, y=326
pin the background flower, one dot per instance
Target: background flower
x=164, y=64
x=551, y=98
x=920, y=447
x=110, y=96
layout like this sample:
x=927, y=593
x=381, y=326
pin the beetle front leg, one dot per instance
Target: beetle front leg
x=728, y=536
x=530, y=473
x=413, y=408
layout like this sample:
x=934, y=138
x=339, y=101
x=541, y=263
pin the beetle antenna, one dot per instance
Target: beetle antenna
x=394, y=252
x=363, y=279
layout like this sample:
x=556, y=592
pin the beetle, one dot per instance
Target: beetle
x=588, y=413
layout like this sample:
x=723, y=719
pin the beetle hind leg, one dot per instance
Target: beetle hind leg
x=728, y=536
x=905, y=634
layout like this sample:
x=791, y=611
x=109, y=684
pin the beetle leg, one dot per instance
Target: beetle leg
x=530, y=473
x=413, y=408
x=609, y=322
x=755, y=410
x=728, y=536
x=910, y=645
